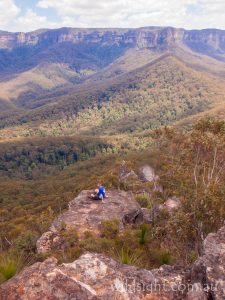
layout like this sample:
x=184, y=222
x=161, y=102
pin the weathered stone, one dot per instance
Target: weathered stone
x=196, y=292
x=148, y=174
x=126, y=173
x=210, y=268
x=91, y=277
x=133, y=218
x=85, y=214
x=171, y=204
x=50, y=240
x=94, y=276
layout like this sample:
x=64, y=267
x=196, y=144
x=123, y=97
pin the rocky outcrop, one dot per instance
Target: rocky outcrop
x=196, y=292
x=209, y=269
x=133, y=218
x=210, y=41
x=87, y=49
x=148, y=174
x=92, y=277
x=85, y=214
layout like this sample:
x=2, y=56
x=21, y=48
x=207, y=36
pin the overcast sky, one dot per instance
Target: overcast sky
x=27, y=15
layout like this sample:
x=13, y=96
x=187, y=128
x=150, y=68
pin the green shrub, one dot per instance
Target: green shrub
x=106, y=244
x=10, y=265
x=129, y=257
x=143, y=234
x=144, y=200
x=25, y=243
x=192, y=257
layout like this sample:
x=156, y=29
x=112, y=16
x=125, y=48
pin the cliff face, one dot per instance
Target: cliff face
x=134, y=37
x=94, y=49
x=149, y=37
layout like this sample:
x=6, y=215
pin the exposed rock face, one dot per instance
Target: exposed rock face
x=148, y=174
x=94, y=276
x=210, y=268
x=150, y=37
x=91, y=277
x=134, y=218
x=68, y=44
x=50, y=240
x=85, y=214
x=196, y=293
x=171, y=205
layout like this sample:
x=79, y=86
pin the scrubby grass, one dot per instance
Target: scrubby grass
x=11, y=264
x=128, y=257
x=143, y=234
x=8, y=268
x=144, y=200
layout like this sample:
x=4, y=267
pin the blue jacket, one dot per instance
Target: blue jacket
x=101, y=192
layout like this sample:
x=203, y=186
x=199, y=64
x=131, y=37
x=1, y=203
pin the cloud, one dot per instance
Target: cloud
x=12, y=18
x=133, y=13
x=113, y=13
x=8, y=12
x=31, y=21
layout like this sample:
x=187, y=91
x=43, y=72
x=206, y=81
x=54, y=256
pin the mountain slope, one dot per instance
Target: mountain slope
x=159, y=93
x=36, y=64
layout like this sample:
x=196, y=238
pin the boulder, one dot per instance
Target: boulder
x=209, y=269
x=85, y=214
x=171, y=204
x=92, y=277
x=49, y=241
x=133, y=218
x=148, y=174
x=126, y=172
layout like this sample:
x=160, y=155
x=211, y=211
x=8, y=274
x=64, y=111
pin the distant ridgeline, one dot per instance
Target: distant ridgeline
x=120, y=75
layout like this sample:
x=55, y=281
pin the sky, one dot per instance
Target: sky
x=29, y=15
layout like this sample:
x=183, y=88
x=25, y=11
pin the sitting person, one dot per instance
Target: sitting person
x=100, y=193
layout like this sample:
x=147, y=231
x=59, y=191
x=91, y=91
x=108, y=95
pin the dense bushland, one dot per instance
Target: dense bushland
x=35, y=158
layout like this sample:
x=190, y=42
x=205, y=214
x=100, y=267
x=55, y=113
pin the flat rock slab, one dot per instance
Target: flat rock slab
x=85, y=214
